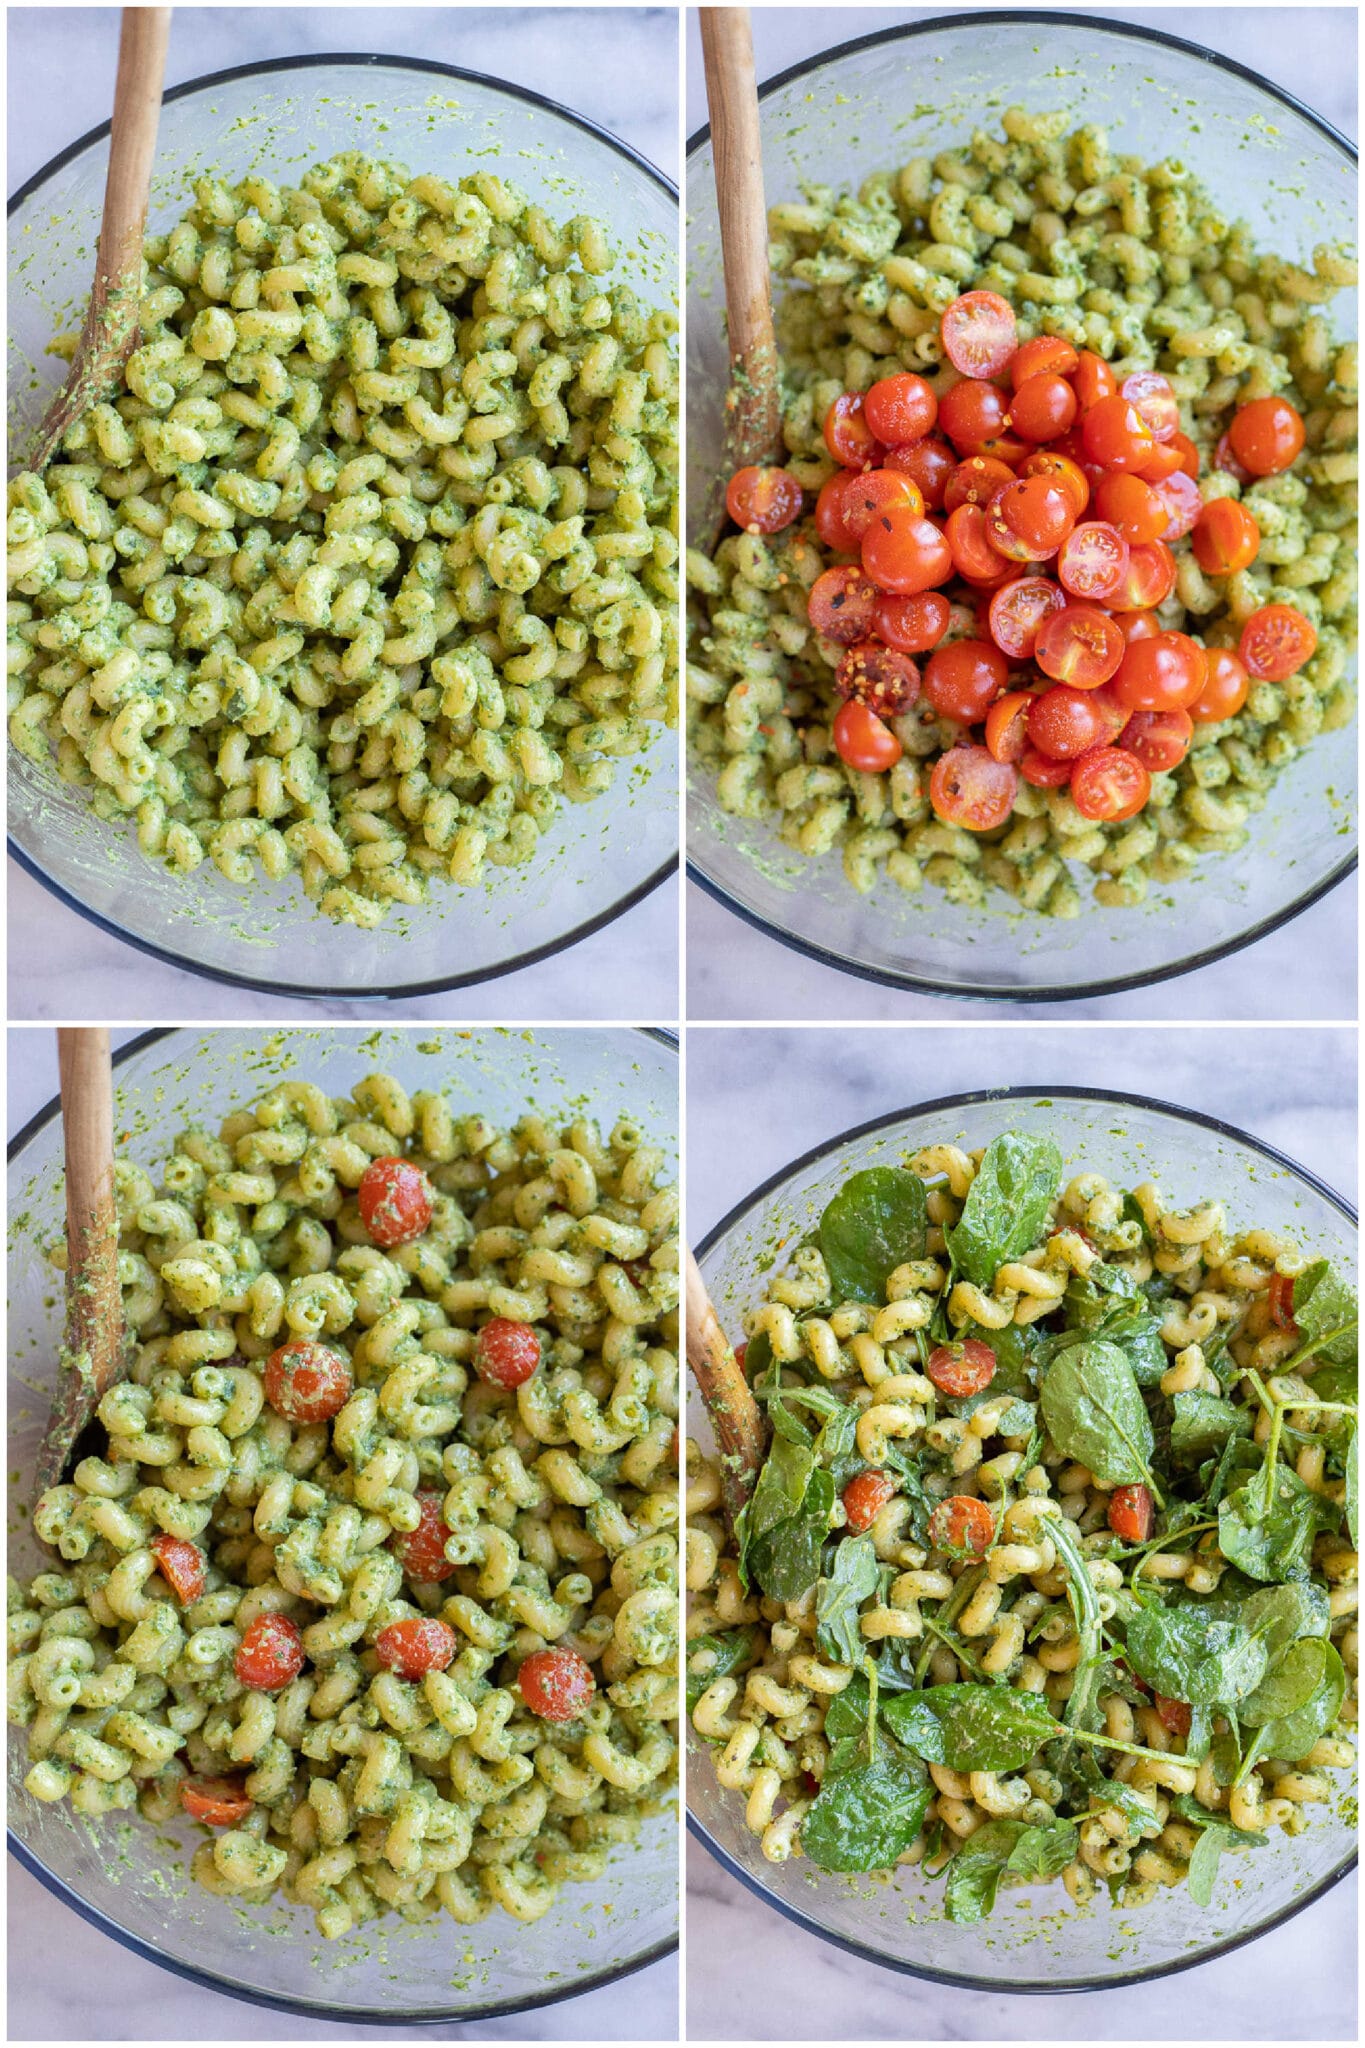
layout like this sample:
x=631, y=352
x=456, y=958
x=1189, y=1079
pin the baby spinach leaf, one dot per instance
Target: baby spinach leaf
x=1019, y=1419
x=1003, y=1847
x=1042, y=1851
x=1186, y=1655
x=1203, y=1868
x=713, y=1657
x=1289, y=1684
x=852, y=1578
x=1007, y=1205
x=1095, y=1413
x=1189, y=1808
x=758, y=1358
x=835, y=1445
x=1324, y=1301
x=1015, y=1347
x=972, y=1727
x=781, y=1487
x=875, y=1223
x=1294, y=1735
x=1266, y=1527
x=1203, y=1422
x=846, y=1714
x=1279, y=1615
x=867, y=1816
x=784, y=1526
x=1132, y=1213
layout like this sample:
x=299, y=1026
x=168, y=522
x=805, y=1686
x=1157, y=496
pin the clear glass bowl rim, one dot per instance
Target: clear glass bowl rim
x=442, y=984
x=311, y=2009
x=1118, y=984
x=977, y=1098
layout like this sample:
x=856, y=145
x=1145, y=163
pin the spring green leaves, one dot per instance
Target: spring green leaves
x=1003, y=1847
x=785, y=1523
x=972, y=1727
x=1266, y=1528
x=875, y=1223
x=1324, y=1303
x=853, y=1577
x=867, y=1815
x=1095, y=1413
x=1007, y=1205
x=1187, y=1655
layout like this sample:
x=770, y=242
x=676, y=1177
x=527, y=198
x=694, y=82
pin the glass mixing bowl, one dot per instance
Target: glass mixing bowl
x=1035, y=1940
x=914, y=90
x=600, y=858
x=129, y=1879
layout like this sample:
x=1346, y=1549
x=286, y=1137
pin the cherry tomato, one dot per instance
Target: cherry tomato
x=912, y=625
x=886, y=681
x=1062, y=723
x=1280, y=1301
x=979, y=334
x=307, y=1382
x=1160, y=739
x=1045, y=355
x=1136, y=625
x=1162, y=460
x=969, y=787
x=1276, y=642
x=962, y=1525
x=1131, y=507
x=1018, y=610
x=1079, y=645
x=1225, y=692
x=863, y=741
x=556, y=1684
x=1115, y=434
x=1226, y=538
x=1059, y=469
x=1029, y=518
x=973, y=415
x=506, y=1354
x=763, y=500
x=848, y=437
x=394, y=1198
x=1042, y=407
x=1153, y=398
x=1184, y=502
x=961, y=1369
x=1164, y=673
x=1112, y=715
x=864, y=1498
x=973, y=556
x=1174, y=1714
x=1093, y=380
x=1109, y=784
x=900, y=408
x=182, y=1565
x=928, y=463
x=1042, y=772
x=217, y=1802
x=829, y=513
x=1093, y=561
x=841, y=605
x=1266, y=435
x=975, y=481
x=422, y=1551
x=1007, y=726
x=1188, y=453
x=415, y=1645
x=1132, y=1513
x=963, y=679
x=1149, y=578
x=1224, y=458
x=905, y=553
x=270, y=1654
x=868, y=493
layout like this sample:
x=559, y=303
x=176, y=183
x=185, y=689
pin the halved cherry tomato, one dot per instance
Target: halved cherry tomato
x=1226, y=690
x=1148, y=580
x=829, y=513
x=912, y=625
x=1165, y=673
x=867, y=493
x=900, y=408
x=1132, y=1513
x=975, y=481
x=1042, y=407
x=1114, y=434
x=1045, y=355
x=556, y=1684
x=1188, y=453
x=963, y=679
x=1176, y=1717
x=1163, y=459
x=861, y=740
x=394, y=1199
x=962, y=1525
x=1042, y=772
x=1160, y=739
x=848, y=437
x=422, y=1551
x=961, y=1369
x=1112, y=715
x=270, y=1654
x=974, y=415
x=1093, y=380
x=1018, y=610
x=216, y=1802
x=972, y=554
x=1132, y=507
x=506, y=1353
x=979, y=333
x=415, y=1645
x=1225, y=458
x=1266, y=435
x=1007, y=726
x=1079, y=645
x=1059, y=469
x=969, y=787
x=929, y=463
x=763, y=500
x=307, y=1382
x=1136, y=625
x=1153, y=397
x=182, y=1565
x=1063, y=724
x=866, y=1494
x=841, y=605
x=1184, y=502
x=878, y=676
x=1093, y=561
x=1280, y=1299
x=1029, y=518
x=905, y=553
x=1109, y=784
x=1226, y=538
x=1276, y=642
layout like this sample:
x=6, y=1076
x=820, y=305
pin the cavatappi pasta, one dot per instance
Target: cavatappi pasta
x=961, y=1624
x=423, y=1498
x=1139, y=265
x=373, y=562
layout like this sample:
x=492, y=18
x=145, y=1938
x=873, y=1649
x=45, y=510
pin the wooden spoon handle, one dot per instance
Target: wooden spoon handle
x=739, y=1427
x=92, y=1355
x=132, y=143
x=753, y=407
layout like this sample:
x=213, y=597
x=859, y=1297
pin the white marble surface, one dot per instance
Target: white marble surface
x=1307, y=970
x=616, y=66
x=56, y=1960
x=756, y=1100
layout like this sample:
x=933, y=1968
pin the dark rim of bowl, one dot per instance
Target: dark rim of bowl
x=920, y=984
x=974, y=1099
x=279, y=2002
x=443, y=984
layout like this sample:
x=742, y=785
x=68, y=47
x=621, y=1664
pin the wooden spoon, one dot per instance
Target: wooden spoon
x=92, y=1354
x=753, y=407
x=111, y=330
x=740, y=1431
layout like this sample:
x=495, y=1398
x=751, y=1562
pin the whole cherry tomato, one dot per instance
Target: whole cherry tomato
x=963, y=679
x=928, y=463
x=903, y=552
x=1266, y=435
x=1115, y=434
x=1226, y=538
x=1042, y=407
x=900, y=408
x=912, y=625
x=1225, y=692
x=861, y=740
x=1131, y=507
x=1063, y=723
x=1165, y=673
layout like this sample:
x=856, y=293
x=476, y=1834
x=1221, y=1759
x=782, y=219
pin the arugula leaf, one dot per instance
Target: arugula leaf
x=1083, y=1781
x=1016, y=1348
x=1324, y=1301
x=1266, y=1527
x=1189, y=1808
x=1203, y=1422
x=711, y=1657
x=1095, y=1413
x=1187, y=1655
x=876, y=1222
x=852, y=1578
x=1082, y=1707
x=972, y=1727
x=1000, y=1847
x=780, y=1488
x=867, y=1816
x=1007, y=1205
x=1042, y=1851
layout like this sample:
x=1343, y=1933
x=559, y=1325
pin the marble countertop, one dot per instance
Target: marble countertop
x=616, y=66
x=756, y=1101
x=1306, y=970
